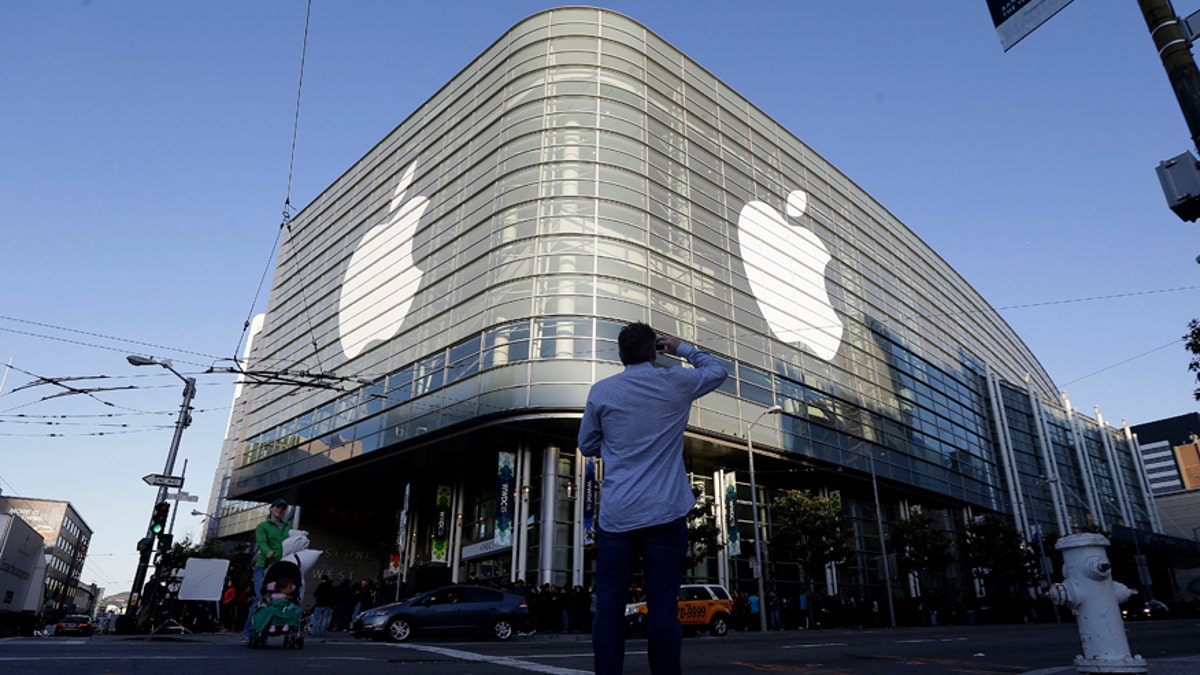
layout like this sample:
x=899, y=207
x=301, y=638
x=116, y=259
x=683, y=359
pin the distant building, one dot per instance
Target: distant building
x=1162, y=469
x=1171, y=452
x=66, y=536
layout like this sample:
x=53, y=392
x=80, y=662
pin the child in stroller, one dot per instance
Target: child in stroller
x=279, y=613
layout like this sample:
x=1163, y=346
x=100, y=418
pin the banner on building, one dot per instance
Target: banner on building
x=589, y=500
x=396, y=559
x=506, y=484
x=731, y=524
x=441, y=526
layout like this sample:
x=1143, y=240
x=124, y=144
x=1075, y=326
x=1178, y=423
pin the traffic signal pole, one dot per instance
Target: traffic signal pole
x=181, y=423
x=1175, y=50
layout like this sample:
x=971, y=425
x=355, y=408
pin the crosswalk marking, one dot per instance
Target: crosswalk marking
x=498, y=660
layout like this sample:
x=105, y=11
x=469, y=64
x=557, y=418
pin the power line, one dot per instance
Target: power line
x=107, y=415
x=91, y=433
x=95, y=335
x=1172, y=343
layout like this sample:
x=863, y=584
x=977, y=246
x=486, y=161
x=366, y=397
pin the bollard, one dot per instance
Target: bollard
x=1089, y=590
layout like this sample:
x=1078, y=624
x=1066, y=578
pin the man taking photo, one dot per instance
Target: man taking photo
x=634, y=421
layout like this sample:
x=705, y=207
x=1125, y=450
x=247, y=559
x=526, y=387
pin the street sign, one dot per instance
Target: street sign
x=1014, y=19
x=157, y=479
x=182, y=496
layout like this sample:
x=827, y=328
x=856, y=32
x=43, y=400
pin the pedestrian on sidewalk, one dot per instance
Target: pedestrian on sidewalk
x=322, y=605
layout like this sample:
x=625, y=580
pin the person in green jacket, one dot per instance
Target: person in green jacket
x=268, y=545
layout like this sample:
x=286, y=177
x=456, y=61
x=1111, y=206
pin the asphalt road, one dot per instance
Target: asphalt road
x=976, y=650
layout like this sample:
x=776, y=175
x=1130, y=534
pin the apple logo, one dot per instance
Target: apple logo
x=382, y=274
x=785, y=264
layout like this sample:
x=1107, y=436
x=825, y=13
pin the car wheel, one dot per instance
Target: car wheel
x=719, y=626
x=399, y=629
x=502, y=630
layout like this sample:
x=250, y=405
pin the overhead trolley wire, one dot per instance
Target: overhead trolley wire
x=286, y=222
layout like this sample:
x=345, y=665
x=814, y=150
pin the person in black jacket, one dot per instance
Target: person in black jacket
x=323, y=605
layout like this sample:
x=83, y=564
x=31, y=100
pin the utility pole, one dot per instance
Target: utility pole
x=181, y=423
x=1180, y=175
x=1175, y=49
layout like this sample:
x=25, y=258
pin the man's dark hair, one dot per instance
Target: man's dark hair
x=636, y=343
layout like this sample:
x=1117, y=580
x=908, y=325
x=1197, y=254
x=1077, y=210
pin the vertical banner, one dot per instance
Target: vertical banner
x=394, y=561
x=731, y=524
x=589, y=500
x=506, y=482
x=441, y=526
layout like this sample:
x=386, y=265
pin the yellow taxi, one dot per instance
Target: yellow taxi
x=701, y=607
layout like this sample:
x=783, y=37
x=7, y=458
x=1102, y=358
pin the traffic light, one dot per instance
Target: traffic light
x=145, y=544
x=158, y=521
x=164, y=542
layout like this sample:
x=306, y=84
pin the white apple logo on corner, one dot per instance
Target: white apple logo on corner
x=382, y=274
x=785, y=264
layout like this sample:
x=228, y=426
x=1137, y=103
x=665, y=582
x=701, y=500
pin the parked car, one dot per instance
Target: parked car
x=452, y=609
x=75, y=624
x=1151, y=609
x=701, y=607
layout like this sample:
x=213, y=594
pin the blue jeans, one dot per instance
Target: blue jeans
x=259, y=573
x=663, y=549
x=320, y=619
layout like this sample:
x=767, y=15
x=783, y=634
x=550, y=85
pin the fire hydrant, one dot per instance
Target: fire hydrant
x=1089, y=590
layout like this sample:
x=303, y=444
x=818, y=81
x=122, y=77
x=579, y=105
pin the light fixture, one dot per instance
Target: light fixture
x=759, y=539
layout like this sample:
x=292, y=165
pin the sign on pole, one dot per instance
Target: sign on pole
x=1014, y=19
x=159, y=480
x=182, y=496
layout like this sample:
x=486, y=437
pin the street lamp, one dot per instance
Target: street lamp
x=181, y=423
x=887, y=571
x=759, y=539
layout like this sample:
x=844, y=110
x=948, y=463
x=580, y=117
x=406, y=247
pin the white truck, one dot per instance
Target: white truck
x=22, y=574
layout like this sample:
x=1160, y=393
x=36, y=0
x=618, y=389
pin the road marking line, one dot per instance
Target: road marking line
x=498, y=660
x=907, y=642
x=815, y=644
x=127, y=657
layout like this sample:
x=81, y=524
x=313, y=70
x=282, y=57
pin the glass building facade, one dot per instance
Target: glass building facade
x=448, y=302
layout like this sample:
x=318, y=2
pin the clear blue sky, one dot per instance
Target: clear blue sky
x=145, y=151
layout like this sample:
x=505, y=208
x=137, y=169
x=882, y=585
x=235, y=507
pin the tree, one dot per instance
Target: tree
x=1192, y=344
x=919, y=545
x=810, y=530
x=998, y=556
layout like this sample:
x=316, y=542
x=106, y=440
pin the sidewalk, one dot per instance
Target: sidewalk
x=1183, y=665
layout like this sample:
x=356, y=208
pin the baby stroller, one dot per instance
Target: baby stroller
x=279, y=613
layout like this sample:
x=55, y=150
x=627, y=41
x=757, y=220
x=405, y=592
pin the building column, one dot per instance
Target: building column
x=1007, y=458
x=1117, y=472
x=456, y=518
x=1147, y=495
x=547, y=529
x=520, y=550
x=1061, y=517
x=1085, y=464
x=722, y=530
x=577, y=548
